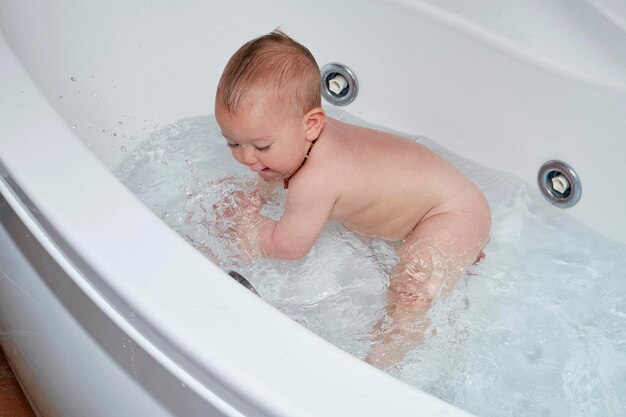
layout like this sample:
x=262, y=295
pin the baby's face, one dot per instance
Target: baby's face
x=266, y=137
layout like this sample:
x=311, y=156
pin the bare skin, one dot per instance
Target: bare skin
x=376, y=184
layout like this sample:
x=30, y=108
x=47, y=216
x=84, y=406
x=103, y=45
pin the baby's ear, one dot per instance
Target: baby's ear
x=314, y=122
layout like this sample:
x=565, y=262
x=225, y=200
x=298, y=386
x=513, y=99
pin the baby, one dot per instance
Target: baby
x=268, y=105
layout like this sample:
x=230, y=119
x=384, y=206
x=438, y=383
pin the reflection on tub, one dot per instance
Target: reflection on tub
x=537, y=328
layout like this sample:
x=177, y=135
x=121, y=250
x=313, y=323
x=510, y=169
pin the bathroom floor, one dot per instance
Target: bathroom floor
x=13, y=403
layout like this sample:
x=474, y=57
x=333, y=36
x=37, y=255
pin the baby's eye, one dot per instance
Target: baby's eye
x=263, y=148
x=232, y=145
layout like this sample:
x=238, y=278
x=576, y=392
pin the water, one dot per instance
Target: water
x=538, y=328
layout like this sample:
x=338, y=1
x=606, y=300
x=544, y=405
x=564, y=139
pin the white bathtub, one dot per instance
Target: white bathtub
x=104, y=311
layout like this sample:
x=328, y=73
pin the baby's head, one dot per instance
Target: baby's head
x=268, y=105
x=277, y=67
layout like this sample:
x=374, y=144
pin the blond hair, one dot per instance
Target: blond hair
x=275, y=61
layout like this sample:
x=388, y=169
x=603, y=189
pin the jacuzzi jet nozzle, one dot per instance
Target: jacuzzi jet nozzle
x=559, y=184
x=339, y=84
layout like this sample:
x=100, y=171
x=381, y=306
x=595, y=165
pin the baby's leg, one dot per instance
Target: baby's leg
x=432, y=258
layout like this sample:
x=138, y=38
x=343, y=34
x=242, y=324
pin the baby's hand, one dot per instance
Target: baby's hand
x=250, y=201
x=242, y=212
x=242, y=204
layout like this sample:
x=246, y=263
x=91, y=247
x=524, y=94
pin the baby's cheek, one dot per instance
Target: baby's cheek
x=237, y=155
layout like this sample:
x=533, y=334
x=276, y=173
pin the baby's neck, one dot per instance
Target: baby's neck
x=286, y=180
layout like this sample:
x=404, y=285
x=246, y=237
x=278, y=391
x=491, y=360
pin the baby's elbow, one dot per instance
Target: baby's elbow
x=294, y=252
x=281, y=245
x=293, y=256
x=286, y=250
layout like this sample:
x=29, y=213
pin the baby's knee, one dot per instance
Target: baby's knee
x=418, y=280
x=412, y=289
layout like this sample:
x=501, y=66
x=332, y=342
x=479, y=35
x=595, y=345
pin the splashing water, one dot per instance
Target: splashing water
x=537, y=329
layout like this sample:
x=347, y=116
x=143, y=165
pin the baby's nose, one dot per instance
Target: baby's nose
x=249, y=157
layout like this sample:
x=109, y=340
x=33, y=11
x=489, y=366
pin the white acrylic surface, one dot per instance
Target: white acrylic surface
x=509, y=96
x=510, y=85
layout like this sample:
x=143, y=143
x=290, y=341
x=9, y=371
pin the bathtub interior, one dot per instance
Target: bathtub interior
x=162, y=310
x=429, y=68
x=549, y=83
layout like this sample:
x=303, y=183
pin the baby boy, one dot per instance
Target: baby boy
x=268, y=105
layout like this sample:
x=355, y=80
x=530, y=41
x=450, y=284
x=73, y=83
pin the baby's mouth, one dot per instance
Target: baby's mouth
x=268, y=174
x=258, y=169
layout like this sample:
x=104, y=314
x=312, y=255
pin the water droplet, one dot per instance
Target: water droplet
x=73, y=78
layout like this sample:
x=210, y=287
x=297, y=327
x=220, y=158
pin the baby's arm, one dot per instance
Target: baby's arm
x=308, y=207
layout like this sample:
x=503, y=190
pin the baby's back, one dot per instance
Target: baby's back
x=386, y=184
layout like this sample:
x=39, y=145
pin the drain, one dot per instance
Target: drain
x=339, y=84
x=559, y=184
